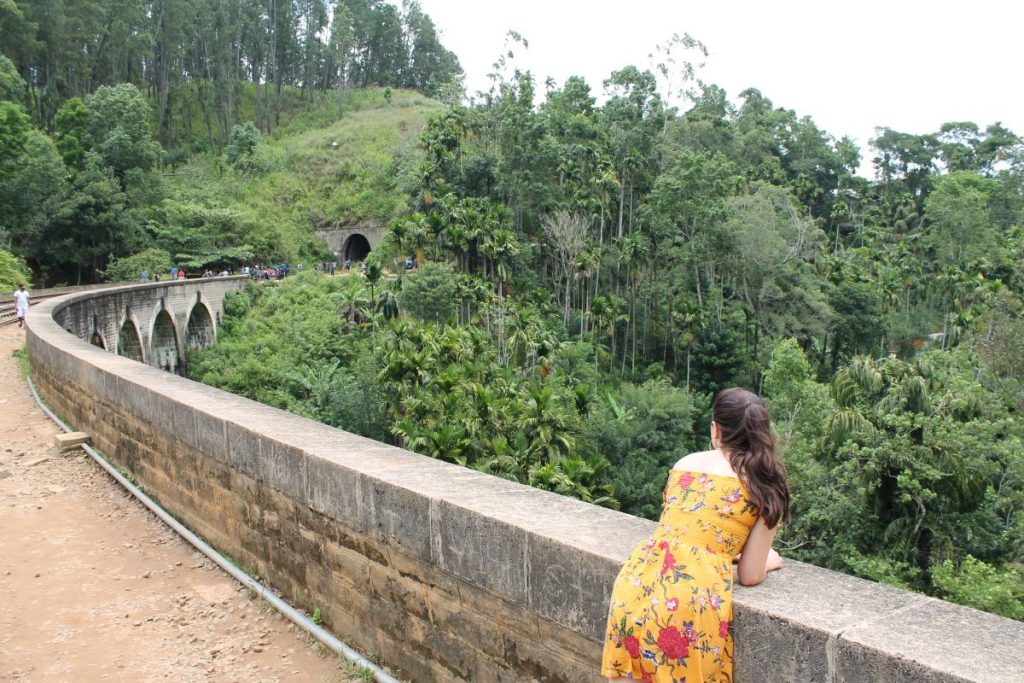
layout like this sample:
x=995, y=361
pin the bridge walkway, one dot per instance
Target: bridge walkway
x=93, y=587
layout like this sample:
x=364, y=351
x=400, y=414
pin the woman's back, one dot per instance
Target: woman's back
x=712, y=462
x=671, y=609
x=709, y=510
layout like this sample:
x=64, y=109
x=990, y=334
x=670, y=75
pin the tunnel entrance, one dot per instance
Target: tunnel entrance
x=200, y=328
x=129, y=344
x=357, y=247
x=164, y=353
x=97, y=340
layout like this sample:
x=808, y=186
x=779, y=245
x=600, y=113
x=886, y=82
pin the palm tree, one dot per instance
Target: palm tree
x=633, y=248
x=499, y=248
x=585, y=265
x=608, y=313
x=547, y=422
x=317, y=382
x=692, y=318
x=353, y=299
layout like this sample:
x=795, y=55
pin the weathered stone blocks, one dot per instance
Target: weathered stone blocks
x=482, y=550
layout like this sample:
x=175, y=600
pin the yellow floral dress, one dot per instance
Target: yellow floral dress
x=671, y=608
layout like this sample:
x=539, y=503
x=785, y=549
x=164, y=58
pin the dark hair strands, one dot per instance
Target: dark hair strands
x=746, y=439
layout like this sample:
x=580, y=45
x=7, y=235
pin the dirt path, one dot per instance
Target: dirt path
x=94, y=588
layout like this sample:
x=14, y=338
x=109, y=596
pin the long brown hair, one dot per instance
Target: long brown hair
x=745, y=436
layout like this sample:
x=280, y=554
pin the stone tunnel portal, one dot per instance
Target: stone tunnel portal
x=356, y=248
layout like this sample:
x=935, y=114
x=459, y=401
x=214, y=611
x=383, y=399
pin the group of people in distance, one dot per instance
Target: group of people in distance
x=326, y=267
x=177, y=273
x=272, y=272
x=264, y=273
x=209, y=273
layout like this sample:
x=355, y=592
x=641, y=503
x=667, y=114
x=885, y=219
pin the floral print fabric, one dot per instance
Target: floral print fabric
x=670, y=615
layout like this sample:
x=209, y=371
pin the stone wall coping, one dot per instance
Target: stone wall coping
x=556, y=555
x=107, y=286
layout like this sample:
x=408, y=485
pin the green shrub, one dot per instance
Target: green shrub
x=13, y=271
x=151, y=260
x=428, y=293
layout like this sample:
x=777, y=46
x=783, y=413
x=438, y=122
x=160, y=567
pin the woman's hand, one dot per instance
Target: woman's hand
x=774, y=561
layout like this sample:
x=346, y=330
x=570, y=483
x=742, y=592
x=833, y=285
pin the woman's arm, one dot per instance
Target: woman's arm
x=758, y=558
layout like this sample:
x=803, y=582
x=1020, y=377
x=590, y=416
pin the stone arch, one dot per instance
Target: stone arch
x=164, y=344
x=200, y=331
x=356, y=248
x=129, y=341
x=96, y=339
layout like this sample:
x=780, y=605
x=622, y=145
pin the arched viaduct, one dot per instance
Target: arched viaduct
x=152, y=323
x=443, y=572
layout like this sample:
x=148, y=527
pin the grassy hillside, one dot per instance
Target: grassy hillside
x=321, y=168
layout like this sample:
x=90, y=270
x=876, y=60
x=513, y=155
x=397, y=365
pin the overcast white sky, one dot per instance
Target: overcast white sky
x=852, y=66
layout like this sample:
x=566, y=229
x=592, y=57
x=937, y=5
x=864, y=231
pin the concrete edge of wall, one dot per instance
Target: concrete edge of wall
x=554, y=555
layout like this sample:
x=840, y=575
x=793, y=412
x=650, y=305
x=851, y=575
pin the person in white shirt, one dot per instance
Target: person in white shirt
x=21, y=304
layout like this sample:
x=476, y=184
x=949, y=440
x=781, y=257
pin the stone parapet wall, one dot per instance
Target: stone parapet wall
x=449, y=574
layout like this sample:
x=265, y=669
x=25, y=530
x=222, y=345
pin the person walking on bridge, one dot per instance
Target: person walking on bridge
x=21, y=304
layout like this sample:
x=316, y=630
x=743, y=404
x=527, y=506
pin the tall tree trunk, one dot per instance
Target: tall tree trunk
x=274, y=66
x=204, y=107
x=622, y=201
x=94, y=68
x=259, y=103
x=267, y=97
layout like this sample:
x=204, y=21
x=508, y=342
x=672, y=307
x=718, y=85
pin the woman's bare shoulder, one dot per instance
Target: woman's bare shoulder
x=712, y=462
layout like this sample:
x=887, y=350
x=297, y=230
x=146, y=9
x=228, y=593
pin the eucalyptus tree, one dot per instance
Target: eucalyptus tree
x=568, y=234
x=686, y=208
x=429, y=65
x=339, y=46
x=313, y=21
x=634, y=115
x=707, y=126
x=771, y=246
x=905, y=163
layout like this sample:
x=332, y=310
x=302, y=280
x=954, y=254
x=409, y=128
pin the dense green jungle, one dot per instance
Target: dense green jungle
x=586, y=266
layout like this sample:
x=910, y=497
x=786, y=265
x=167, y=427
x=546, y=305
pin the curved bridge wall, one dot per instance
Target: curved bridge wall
x=446, y=573
x=159, y=320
